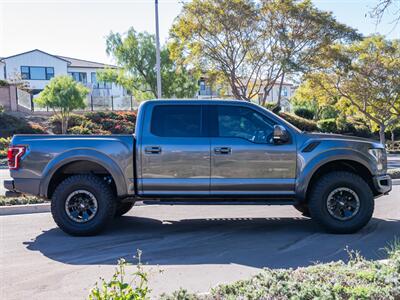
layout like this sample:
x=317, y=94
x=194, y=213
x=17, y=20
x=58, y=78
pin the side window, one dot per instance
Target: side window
x=176, y=121
x=242, y=122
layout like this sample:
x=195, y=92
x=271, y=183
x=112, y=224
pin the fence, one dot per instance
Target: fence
x=93, y=103
x=393, y=146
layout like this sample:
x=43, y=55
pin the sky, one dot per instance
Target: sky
x=78, y=28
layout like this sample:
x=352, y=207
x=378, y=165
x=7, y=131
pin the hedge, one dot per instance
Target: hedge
x=10, y=125
x=304, y=112
x=301, y=123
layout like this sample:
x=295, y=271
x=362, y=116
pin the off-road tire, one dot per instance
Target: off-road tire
x=319, y=195
x=105, y=200
x=303, y=208
x=123, y=208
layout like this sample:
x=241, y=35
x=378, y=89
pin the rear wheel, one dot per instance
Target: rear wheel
x=341, y=202
x=83, y=205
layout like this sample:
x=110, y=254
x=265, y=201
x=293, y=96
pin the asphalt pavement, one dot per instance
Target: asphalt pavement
x=194, y=246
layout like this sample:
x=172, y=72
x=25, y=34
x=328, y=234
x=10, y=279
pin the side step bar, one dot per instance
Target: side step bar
x=219, y=202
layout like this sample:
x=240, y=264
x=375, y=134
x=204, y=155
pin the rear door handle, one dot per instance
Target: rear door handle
x=222, y=150
x=152, y=150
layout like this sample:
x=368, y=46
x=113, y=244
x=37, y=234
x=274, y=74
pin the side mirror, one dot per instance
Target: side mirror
x=281, y=136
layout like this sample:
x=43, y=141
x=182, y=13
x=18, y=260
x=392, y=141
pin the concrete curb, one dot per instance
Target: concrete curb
x=396, y=181
x=24, y=209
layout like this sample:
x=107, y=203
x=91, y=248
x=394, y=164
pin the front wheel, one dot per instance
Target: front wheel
x=83, y=205
x=341, y=202
x=123, y=208
x=303, y=208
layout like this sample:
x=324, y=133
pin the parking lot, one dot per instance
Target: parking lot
x=191, y=246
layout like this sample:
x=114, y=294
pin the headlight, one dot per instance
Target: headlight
x=378, y=155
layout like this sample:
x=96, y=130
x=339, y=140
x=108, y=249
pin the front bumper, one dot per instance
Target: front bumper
x=383, y=184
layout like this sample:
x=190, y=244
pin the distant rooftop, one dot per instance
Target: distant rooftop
x=81, y=63
x=72, y=62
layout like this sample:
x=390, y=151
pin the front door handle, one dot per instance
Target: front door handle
x=152, y=150
x=222, y=150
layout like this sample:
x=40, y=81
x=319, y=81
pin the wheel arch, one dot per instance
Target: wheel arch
x=81, y=162
x=339, y=162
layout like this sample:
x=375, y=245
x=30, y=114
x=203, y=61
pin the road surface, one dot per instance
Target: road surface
x=196, y=247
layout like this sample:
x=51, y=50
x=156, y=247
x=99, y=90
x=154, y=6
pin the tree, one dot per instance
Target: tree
x=135, y=53
x=302, y=31
x=366, y=77
x=382, y=7
x=225, y=37
x=63, y=94
x=311, y=96
x=253, y=44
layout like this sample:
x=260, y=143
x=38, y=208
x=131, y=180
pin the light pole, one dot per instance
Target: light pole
x=158, y=67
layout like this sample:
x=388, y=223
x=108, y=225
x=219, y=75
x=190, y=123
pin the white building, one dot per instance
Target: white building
x=2, y=70
x=37, y=67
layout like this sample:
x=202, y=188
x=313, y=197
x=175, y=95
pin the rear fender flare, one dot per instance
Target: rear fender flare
x=83, y=155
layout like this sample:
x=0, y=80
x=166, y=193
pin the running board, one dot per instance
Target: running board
x=219, y=202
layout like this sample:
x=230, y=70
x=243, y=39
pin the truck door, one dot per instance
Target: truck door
x=244, y=159
x=175, y=152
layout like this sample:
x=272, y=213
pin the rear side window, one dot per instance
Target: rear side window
x=176, y=121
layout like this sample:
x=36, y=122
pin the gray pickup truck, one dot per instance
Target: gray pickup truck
x=205, y=151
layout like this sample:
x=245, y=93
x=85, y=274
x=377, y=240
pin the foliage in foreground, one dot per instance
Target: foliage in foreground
x=121, y=289
x=357, y=279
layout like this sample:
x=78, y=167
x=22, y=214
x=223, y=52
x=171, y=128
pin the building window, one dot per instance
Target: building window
x=79, y=76
x=37, y=73
x=202, y=85
x=100, y=84
x=285, y=92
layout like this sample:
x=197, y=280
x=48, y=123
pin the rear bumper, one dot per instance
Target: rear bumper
x=9, y=185
x=383, y=184
x=22, y=185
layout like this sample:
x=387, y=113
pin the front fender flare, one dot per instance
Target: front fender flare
x=322, y=159
x=85, y=155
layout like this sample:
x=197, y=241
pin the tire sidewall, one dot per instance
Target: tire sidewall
x=100, y=191
x=319, y=208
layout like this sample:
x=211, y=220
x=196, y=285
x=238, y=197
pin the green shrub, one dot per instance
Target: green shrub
x=10, y=125
x=301, y=123
x=328, y=112
x=394, y=173
x=4, y=142
x=304, y=112
x=393, y=147
x=6, y=201
x=74, y=120
x=114, y=122
x=327, y=125
x=102, y=122
x=357, y=279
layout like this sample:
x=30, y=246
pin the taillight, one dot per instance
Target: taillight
x=14, y=155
